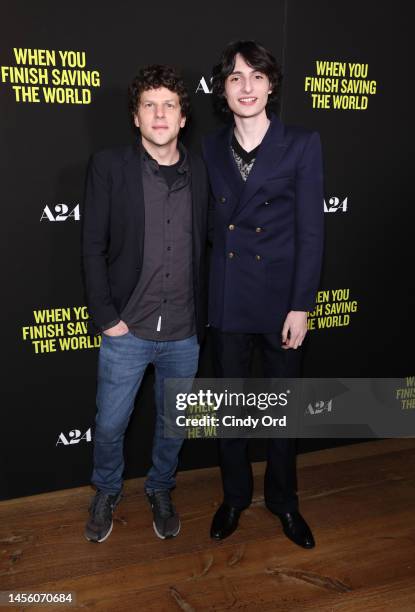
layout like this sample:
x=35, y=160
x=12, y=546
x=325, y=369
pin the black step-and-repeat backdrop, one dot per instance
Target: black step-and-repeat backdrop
x=64, y=73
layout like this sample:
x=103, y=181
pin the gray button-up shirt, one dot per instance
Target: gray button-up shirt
x=161, y=306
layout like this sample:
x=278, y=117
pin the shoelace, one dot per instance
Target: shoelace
x=101, y=506
x=163, y=503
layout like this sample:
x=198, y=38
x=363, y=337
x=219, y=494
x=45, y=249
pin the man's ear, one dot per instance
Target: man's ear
x=136, y=123
x=182, y=121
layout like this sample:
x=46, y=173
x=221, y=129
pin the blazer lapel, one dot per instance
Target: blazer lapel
x=270, y=152
x=134, y=180
x=196, y=209
x=225, y=162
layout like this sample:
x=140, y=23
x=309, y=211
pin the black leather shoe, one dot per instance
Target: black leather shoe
x=224, y=522
x=296, y=529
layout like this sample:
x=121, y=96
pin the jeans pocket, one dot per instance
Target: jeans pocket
x=104, y=335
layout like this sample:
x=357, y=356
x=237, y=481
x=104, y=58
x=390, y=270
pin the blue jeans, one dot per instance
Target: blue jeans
x=121, y=366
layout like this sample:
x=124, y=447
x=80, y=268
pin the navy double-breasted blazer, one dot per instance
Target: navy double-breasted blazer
x=267, y=231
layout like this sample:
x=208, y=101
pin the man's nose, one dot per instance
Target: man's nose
x=246, y=86
x=159, y=110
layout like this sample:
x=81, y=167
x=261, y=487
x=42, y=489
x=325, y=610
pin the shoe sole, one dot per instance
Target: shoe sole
x=217, y=538
x=306, y=546
x=107, y=535
x=163, y=537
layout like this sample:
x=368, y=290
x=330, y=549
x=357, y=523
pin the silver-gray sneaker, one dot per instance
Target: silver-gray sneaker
x=99, y=526
x=166, y=521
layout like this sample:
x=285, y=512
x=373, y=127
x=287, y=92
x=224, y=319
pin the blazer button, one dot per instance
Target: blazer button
x=222, y=200
x=231, y=227
x=266, y=203
x=258, y=230
x=258, y=257
x=231, y=255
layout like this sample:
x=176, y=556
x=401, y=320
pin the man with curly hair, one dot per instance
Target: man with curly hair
x=144, y=233
x=267, y=195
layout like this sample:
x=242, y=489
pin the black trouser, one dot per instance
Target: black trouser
x=233, y=355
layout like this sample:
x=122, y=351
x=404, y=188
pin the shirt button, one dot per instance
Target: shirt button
x=169, y=248
x=258, y=230
x=231, y=255
x=231, y=227
x=164, y=301
x=168, y=274
x=258, y=257
x=222, y=200
x=168, y=220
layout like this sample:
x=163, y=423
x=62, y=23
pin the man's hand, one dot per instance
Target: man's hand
x=118, y=330
x=294, y=329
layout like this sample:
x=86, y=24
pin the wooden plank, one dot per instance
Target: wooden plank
x=360, y=504
x=398, y=596
x=259, y=574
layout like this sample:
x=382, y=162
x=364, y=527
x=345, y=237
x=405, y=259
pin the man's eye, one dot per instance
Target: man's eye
x=259, y=76
x=234, y=78
x=147, y=104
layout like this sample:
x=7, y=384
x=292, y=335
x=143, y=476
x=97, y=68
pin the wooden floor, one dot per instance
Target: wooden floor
x=359, y=501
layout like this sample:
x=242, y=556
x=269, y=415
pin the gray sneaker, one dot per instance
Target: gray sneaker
x=99, y=526
x=166, y=521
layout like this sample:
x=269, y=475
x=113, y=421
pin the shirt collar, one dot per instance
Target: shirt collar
x=183, y=164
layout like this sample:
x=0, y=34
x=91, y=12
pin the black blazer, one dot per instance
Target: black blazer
x=113, y=233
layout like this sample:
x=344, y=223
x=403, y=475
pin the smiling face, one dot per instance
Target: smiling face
x=159, y=117
x=246, y=89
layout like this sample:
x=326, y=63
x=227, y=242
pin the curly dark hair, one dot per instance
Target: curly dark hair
x=154, y=77
x=255, y=56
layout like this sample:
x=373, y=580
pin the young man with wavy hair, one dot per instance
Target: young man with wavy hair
x=144, y=257
x=267, y=186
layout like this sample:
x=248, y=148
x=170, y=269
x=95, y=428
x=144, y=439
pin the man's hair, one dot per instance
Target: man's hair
x=154, y=77
x=255, y=56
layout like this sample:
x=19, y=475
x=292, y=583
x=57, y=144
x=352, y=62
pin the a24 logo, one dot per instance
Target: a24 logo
x=335, y=204
x=75, y=436
x=60, y=212
x=204, y=86
x=319, y=407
